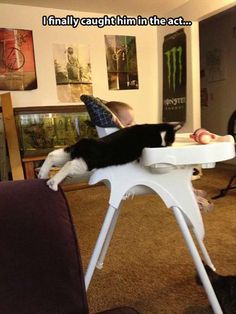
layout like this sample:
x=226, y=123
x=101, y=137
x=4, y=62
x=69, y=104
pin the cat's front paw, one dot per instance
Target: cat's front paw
x=42, y=174
x=52, y=183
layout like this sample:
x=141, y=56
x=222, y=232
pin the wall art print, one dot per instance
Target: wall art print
x=73, y=71
x=215, y=65
x=174, y=77
x=121, y=60
x=17, y=64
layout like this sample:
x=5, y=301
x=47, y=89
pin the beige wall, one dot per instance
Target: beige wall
x=144, y=100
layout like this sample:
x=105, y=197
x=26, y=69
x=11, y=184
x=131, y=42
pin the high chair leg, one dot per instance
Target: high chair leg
x=99, y=244
x=107, y=241
x=197, y=260
x=205, y=254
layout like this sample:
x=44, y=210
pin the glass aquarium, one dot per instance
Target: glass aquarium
x=43, y=131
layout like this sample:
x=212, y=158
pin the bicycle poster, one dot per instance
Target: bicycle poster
x=121, y=57
x=174, y=77
x=17, y=64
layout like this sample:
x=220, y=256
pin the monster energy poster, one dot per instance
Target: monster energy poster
x=174, y=77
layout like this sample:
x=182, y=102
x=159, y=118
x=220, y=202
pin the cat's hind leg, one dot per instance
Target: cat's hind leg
x=73, y=167
x=56, y=158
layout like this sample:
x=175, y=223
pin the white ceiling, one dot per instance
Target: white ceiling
x=121, y=7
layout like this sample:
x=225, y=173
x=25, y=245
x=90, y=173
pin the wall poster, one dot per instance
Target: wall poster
x=73, y=71
x=122, y=69
x=174, y=77
x=17, y=65
x=215, y=65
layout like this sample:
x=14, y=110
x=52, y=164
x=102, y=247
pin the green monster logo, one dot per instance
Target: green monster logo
x=174, y=54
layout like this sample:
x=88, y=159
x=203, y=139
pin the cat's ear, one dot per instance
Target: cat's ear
x=177, y=125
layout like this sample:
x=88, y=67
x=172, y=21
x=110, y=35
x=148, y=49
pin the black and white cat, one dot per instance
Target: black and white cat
x=225, y=290
x=118, y=148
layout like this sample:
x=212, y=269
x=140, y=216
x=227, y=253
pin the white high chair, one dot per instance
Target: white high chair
x=166, y=171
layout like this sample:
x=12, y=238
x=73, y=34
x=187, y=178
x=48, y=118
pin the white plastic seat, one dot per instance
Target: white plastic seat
x=105, y=131
x=167, y=172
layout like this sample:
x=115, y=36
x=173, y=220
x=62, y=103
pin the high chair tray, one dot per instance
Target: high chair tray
x=186, y=151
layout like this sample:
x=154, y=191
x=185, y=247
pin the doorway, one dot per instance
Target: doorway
x=218, y=70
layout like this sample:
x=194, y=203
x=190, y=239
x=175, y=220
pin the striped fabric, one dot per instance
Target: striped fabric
x=99, y=114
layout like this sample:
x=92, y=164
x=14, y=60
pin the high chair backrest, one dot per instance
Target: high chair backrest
x=105, y=131
x=100, y=115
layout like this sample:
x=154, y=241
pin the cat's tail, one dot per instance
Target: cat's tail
x=213, y=276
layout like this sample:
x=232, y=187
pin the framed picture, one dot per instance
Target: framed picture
x=43, y=129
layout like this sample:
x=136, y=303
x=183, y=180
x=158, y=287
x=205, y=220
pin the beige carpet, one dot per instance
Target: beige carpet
x=147, y=265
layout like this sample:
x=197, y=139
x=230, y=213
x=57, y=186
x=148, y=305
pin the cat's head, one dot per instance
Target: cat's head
x=168, y=135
